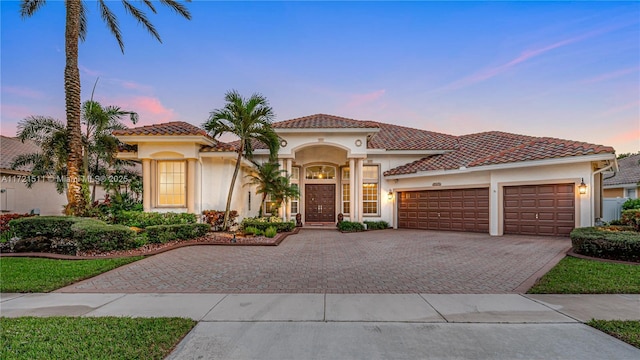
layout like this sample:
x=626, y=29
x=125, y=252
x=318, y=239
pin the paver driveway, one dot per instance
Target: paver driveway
x=324, y=261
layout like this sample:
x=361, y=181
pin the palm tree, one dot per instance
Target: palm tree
x=99, y=145
x=248, y=119
x=283, y=190
x=264, y=178
x=51, y=136
x=76, y=30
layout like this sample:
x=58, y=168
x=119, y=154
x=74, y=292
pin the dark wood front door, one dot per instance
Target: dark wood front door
x=320, y=202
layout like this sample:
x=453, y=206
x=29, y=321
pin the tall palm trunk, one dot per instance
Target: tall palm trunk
x=75, y=198
x=233, y=184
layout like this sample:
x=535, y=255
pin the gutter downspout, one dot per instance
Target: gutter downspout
x=612, y=164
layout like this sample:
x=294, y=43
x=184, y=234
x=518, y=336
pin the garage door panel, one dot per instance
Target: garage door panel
x=459, y=209
x=539, y=209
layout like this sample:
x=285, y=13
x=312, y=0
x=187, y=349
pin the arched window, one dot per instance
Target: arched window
x=320, y=172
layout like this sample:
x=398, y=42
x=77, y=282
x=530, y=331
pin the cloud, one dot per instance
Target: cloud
x=23, y=92
x=635, y=104
x=150, y=109
x=132, y=85
x=525, y=56
x=89, y=72
x=357, y=100
x=611, y=75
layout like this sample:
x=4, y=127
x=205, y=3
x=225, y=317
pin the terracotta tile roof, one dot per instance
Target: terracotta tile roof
x=495, y=147
x=629, y=172
x=174, y=128
x=394, y=137
x=12, y=147
x=218, y=147
x=323, y=121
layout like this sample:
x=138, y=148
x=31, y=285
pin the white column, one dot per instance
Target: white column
x=146, y=184
x=288, y=214
x=191, y=185
x=359, y=190
x=352, y=186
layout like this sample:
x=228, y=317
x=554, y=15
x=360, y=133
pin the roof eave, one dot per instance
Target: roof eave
x=332, y=130
x=512, y=165
x=137, y=139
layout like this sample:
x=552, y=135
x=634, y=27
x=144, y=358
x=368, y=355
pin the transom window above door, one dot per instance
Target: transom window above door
x=320, y=172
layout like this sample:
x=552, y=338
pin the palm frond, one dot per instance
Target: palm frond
x=29, y=7
x=38, y=128
x=24, y=160
x=83, y=22
x=150, y=6
x=179, y=8
x=112, y=22
x=140, y=16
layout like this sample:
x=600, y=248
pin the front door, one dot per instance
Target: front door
x=320, y=202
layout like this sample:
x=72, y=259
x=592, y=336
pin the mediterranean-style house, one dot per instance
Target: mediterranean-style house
x=491, y=182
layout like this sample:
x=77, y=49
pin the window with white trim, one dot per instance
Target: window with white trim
x=370, y=190
x=172, y=183
x=295, y=180
x=346, y=190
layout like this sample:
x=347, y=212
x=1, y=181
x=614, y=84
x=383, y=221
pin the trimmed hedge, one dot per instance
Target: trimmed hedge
x=6, y=218
x=262, y=225
x=95, y=235
x=614, y=245
x=350, y=226
x=48, y=226
x=164, y=233
x=377, y=225
x=145, y=219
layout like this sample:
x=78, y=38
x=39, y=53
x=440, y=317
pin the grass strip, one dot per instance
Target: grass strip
x=627, y=331
x=44, y=275
x=90, y=338
x=581, y=276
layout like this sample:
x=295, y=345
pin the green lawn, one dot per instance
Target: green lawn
x=43, y=275
x=580, y=276
x=627, y=331
x=90, y=338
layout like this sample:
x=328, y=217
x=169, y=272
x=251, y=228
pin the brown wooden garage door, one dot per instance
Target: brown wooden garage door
x=539, y=209
x=458, y=210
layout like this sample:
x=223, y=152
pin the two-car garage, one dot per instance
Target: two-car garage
x=547, y=209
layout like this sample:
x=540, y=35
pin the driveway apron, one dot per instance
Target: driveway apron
x=327, y=261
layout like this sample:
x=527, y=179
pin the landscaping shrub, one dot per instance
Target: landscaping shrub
x=215, y=218
x=146, y=219
x=377, y=225
x=47, y=226
x=264, y=223
x=270, y=232
x=631, y=204
x=95, y=235
x=5, y=218
x=350, y=226
x=607, y=244
x=165, y=233
x=631, y=217
x=250, y=230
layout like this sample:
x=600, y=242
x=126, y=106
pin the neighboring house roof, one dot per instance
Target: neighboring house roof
x=12, y=147
x=495, y=147
x=628, y=172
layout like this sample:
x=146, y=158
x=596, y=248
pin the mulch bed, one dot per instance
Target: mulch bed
x=153, y=249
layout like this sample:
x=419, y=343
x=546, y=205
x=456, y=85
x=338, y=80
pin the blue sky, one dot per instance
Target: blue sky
x=569, y=70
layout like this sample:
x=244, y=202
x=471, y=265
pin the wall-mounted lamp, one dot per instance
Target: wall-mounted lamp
x=390, y=195
x=582, y=188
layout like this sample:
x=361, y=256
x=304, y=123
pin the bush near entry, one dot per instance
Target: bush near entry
x=350, y=226
x=145, y=219
x=376, y=225
x=631, y=217
x=165, y=233
x=263, y=224
x=607, y=244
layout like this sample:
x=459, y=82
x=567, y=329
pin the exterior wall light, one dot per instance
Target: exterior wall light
x=582, y=188
x=390, y=195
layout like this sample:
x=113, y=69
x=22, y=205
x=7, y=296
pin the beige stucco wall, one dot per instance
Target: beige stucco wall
x=613, y=193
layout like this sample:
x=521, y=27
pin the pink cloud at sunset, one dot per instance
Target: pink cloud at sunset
x=22, y=91
x=357, y=100
x=150, y=109
x=526, y=55
x=611, y=75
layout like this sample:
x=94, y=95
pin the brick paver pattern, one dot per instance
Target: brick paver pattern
x=326, y=261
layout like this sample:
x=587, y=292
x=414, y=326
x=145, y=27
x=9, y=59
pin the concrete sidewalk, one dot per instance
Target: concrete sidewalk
x=364, y=326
